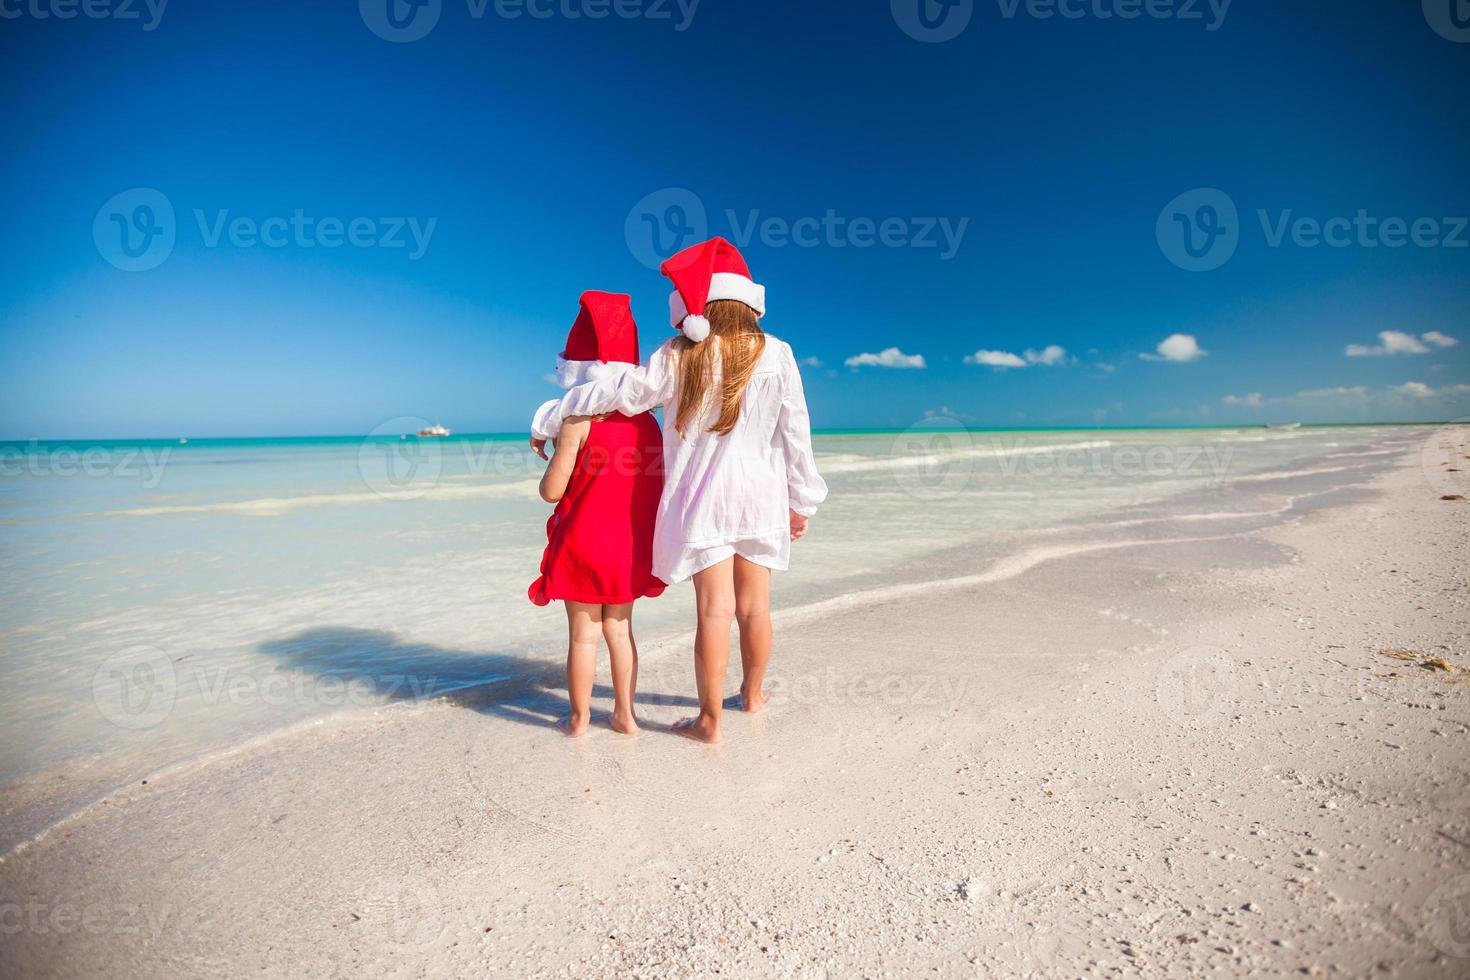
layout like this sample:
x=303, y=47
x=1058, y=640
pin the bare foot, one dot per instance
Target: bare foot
x=625, y=724
x=752, y=701
x=574, y=727
x=699, y=728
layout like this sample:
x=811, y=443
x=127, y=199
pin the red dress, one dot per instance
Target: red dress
x=599, y=541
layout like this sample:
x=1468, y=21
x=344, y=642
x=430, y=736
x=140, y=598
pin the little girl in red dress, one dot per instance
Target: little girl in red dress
x=605, y=479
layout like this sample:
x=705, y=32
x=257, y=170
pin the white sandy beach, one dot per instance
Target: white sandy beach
x=1165, y=743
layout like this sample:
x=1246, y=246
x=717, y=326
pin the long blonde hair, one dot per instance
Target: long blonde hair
x=736, y=339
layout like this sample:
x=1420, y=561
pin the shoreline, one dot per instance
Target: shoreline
x=1017, y=748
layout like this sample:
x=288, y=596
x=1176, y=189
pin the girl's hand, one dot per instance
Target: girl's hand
x=798, y=525
x=538, y=446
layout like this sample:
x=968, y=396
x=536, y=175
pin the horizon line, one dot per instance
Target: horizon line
x=849, y=430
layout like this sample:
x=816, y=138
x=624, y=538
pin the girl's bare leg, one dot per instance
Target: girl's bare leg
x=584, y=630
x=622, y=653
x=753, y=613
x=714, y=599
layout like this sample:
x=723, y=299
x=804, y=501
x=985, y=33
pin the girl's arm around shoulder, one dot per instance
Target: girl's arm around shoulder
x=628, y=388
x=554, y=481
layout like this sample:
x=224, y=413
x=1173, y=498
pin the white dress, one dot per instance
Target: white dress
x=723, y=494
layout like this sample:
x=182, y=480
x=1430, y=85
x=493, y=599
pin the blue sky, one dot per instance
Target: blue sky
x=1022, y=185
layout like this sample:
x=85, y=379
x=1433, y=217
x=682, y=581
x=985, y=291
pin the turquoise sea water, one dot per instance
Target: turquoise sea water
x=167, y=599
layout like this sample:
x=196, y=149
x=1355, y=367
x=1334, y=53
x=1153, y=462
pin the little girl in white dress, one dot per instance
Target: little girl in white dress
x=740, y=481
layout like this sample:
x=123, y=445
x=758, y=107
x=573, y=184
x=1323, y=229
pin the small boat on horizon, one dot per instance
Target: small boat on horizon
x=434, y=431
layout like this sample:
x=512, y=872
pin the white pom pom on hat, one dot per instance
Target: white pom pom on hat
x=695, y=327
x=703, y=273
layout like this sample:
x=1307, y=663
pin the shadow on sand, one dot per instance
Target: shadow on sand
x=517, y=688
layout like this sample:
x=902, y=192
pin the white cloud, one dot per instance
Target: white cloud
x=1438, y=339
x=811, y=362
x=1394, y=342
x=892, y=357
x=1418, y=389
x=1179, y=347
x=1387, y=396
x=1355, y=392
x=1252, y=400
x=995, y=359
x=1048, y=355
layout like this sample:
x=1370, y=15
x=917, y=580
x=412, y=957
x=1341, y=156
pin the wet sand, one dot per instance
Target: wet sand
x=1164, y=742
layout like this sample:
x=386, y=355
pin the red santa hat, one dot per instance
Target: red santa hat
x=603, y=340
x=704, y=273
